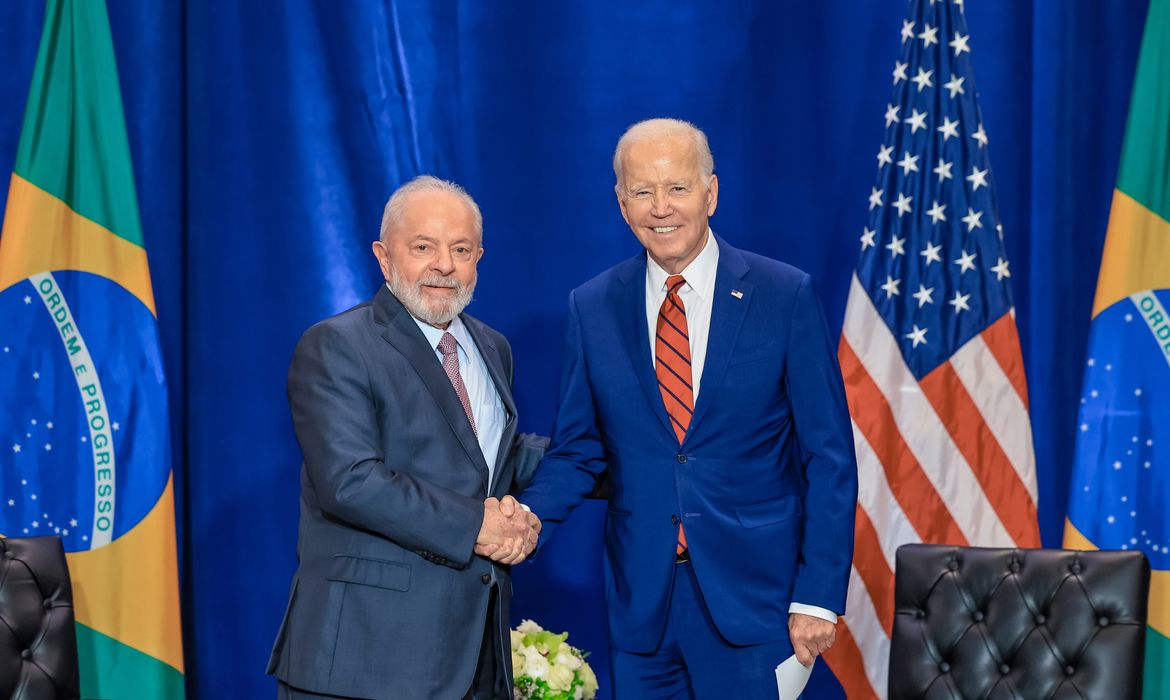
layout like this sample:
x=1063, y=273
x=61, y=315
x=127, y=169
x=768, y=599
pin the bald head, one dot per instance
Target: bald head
x=661, y=130
x=396, y=207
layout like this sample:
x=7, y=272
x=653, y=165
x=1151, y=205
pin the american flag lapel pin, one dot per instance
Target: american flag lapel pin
x=737, y=294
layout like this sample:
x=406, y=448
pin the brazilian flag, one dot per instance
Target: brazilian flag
x=84, y=443
x=1121, y=477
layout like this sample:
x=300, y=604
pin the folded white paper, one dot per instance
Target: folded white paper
x=791, y=677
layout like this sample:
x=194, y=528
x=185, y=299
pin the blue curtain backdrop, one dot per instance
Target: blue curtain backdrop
x=267, y=135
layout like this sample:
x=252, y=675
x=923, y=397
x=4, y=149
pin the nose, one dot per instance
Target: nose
x=443, y=263
x=659, y=203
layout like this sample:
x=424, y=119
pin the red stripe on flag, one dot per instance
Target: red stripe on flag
x=875, y=571
x=1003, y=339
x=1001, y=484
x=845, y=659
x=913, y=490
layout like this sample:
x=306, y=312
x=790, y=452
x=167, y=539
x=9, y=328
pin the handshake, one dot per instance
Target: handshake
x=508, y=534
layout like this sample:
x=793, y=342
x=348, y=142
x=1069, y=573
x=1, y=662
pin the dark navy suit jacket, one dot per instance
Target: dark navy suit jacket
x=765, y=480
x=389, y=600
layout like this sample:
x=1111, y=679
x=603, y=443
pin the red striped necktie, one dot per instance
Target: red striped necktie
x=672, y=364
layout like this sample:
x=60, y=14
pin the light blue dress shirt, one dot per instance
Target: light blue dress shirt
x=486, y=405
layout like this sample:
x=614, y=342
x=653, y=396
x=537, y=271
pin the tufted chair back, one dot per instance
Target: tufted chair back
x=983, y=624
x=38, y=645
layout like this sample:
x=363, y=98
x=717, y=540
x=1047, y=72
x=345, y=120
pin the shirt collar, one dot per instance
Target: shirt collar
x=699, y=274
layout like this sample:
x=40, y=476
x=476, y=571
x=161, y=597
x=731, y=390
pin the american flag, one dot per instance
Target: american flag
x=929, y=349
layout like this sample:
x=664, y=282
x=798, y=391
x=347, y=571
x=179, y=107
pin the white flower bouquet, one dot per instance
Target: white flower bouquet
x=545, y=667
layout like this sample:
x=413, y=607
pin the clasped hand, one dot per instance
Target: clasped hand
x=508, y=534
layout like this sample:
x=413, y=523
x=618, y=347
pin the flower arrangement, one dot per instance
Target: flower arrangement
x=545, y=667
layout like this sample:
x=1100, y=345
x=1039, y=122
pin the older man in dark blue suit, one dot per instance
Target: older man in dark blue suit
x=403, y=410
x=702, y=378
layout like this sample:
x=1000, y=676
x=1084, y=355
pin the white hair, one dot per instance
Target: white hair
x=396, y=205
x=658, y=129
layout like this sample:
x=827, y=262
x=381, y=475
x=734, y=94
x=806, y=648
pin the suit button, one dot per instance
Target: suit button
x=681, y=458
x=486, y=578
x=674, y=520
x=25, y=654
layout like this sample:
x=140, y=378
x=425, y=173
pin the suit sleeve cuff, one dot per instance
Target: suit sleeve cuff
x=814, y=611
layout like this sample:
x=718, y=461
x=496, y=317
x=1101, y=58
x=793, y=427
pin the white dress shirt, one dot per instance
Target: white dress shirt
x=697, y=296
x=486, y=405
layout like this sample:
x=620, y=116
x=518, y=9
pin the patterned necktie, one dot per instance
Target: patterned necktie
x=450, y=350
x=672, y=364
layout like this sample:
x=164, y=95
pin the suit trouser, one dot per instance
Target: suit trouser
x=694, y=661
x=483, y=682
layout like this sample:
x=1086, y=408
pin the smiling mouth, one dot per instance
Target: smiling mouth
x=663, y=229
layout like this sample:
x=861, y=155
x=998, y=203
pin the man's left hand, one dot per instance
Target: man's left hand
x=811, y=636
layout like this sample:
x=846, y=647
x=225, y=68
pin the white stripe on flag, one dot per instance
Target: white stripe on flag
x=1001, y=407
x=926, y=436
x=877, y=500
x=868, y=632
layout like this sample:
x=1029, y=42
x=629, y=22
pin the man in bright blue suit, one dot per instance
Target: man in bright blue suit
x=702, y=380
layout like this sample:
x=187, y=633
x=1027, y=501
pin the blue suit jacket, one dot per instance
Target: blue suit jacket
x=389, y=600
x=765, y=480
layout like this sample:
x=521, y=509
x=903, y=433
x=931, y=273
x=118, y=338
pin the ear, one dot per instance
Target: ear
x=479, y=256
x=383, y=257
x=712, y=194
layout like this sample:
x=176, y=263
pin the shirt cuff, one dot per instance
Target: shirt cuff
x=814, y=611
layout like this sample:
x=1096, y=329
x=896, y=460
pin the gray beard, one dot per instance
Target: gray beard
x=436, y=313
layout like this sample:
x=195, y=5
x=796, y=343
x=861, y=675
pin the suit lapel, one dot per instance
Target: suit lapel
x=727, y=313
x=631, y=309
x=404, y=334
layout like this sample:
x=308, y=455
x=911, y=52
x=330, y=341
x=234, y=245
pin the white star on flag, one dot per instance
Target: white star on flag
x=892, y=114
x=15, y=448
x=923, y=295
x=903, y=204
x=966, y=262
x=867, y=238
x=960, y=302
x=949, y=128
x=875, y=198
x=972, y=219
x=885, y=155
x=896, y=247
x=955, y=85
x=922, y=79
x=959, y=43
x=977, y=178
x=1001, y=270
x=943, y=170
x=936, y=213
x=908, y=164
x=907, y=30
x=916, y=121
x=891, y=286
x=899, y=72
x=929, y=36
x=27, y=299
x=980, y=136
x=917, y=336
x=930, y=252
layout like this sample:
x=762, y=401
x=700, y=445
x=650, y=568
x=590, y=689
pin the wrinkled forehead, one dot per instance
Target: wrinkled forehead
x=660, y=160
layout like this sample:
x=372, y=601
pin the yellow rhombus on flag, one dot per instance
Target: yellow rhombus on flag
x=1121, y=475
x=81, y=376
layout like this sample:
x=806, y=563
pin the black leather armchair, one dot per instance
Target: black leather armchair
x=1017, y=623
x=38, y=644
